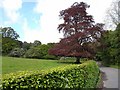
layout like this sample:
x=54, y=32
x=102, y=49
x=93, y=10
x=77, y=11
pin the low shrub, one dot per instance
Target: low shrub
x=17, y=52
x=71, y=76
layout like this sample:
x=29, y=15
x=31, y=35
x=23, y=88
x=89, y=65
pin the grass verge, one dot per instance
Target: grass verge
x=115, y=66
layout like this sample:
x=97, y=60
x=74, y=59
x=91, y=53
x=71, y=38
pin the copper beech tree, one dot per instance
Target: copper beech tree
x=80, y=32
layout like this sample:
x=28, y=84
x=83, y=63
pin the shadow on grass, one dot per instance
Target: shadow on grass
x=66, y=61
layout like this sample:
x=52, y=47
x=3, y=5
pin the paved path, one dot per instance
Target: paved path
x=112, y=79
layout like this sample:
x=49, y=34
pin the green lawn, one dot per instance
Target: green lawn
x=10, y=64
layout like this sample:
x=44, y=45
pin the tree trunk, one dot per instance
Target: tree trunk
x=77, y=60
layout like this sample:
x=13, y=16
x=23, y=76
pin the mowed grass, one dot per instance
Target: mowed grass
x=11, y=64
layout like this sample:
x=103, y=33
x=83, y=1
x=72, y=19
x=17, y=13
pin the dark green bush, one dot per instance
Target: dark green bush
x=40, y=52
x=71, y=76
x=52, y=57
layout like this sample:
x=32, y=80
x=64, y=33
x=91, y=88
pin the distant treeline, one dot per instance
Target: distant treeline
x=11, y=46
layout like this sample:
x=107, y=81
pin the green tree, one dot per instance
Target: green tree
x=117, y=44
x=9, y=33
x=40, y=51
x=9, y=40
x=51, y=45
x=33, y=53
x=36, y=43
x=103, y=51
x=9, y=44
x=109, y=51
x=17, y=52
x=26, y=45
x=37, y=52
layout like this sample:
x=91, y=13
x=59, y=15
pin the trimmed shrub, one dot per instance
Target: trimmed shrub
x=75, y=76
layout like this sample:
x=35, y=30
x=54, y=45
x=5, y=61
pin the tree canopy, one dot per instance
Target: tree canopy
x=109, y=50
x=9, y=33
x=113, y=14
x=79, y=31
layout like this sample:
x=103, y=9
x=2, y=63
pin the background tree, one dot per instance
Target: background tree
x=117, y=44
x=9, y=44
x=36, y=43
x=33, y=52
x=113, y=15
x=79, y=31
x=9, y=40
x=109, y=50
x=17, y=52
x=9, y=33
x=103, y=53
x=26, y=45
x=40, y=51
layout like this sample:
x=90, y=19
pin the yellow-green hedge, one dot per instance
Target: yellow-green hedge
x=71, y=76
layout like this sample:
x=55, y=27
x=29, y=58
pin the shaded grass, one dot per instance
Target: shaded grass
x=72, y=60
x=115, y=66
x=11, y=64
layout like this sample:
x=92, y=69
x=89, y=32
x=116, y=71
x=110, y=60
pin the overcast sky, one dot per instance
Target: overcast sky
x=39, y=19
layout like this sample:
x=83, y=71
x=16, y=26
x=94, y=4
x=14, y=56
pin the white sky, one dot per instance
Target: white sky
x=47, y=31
